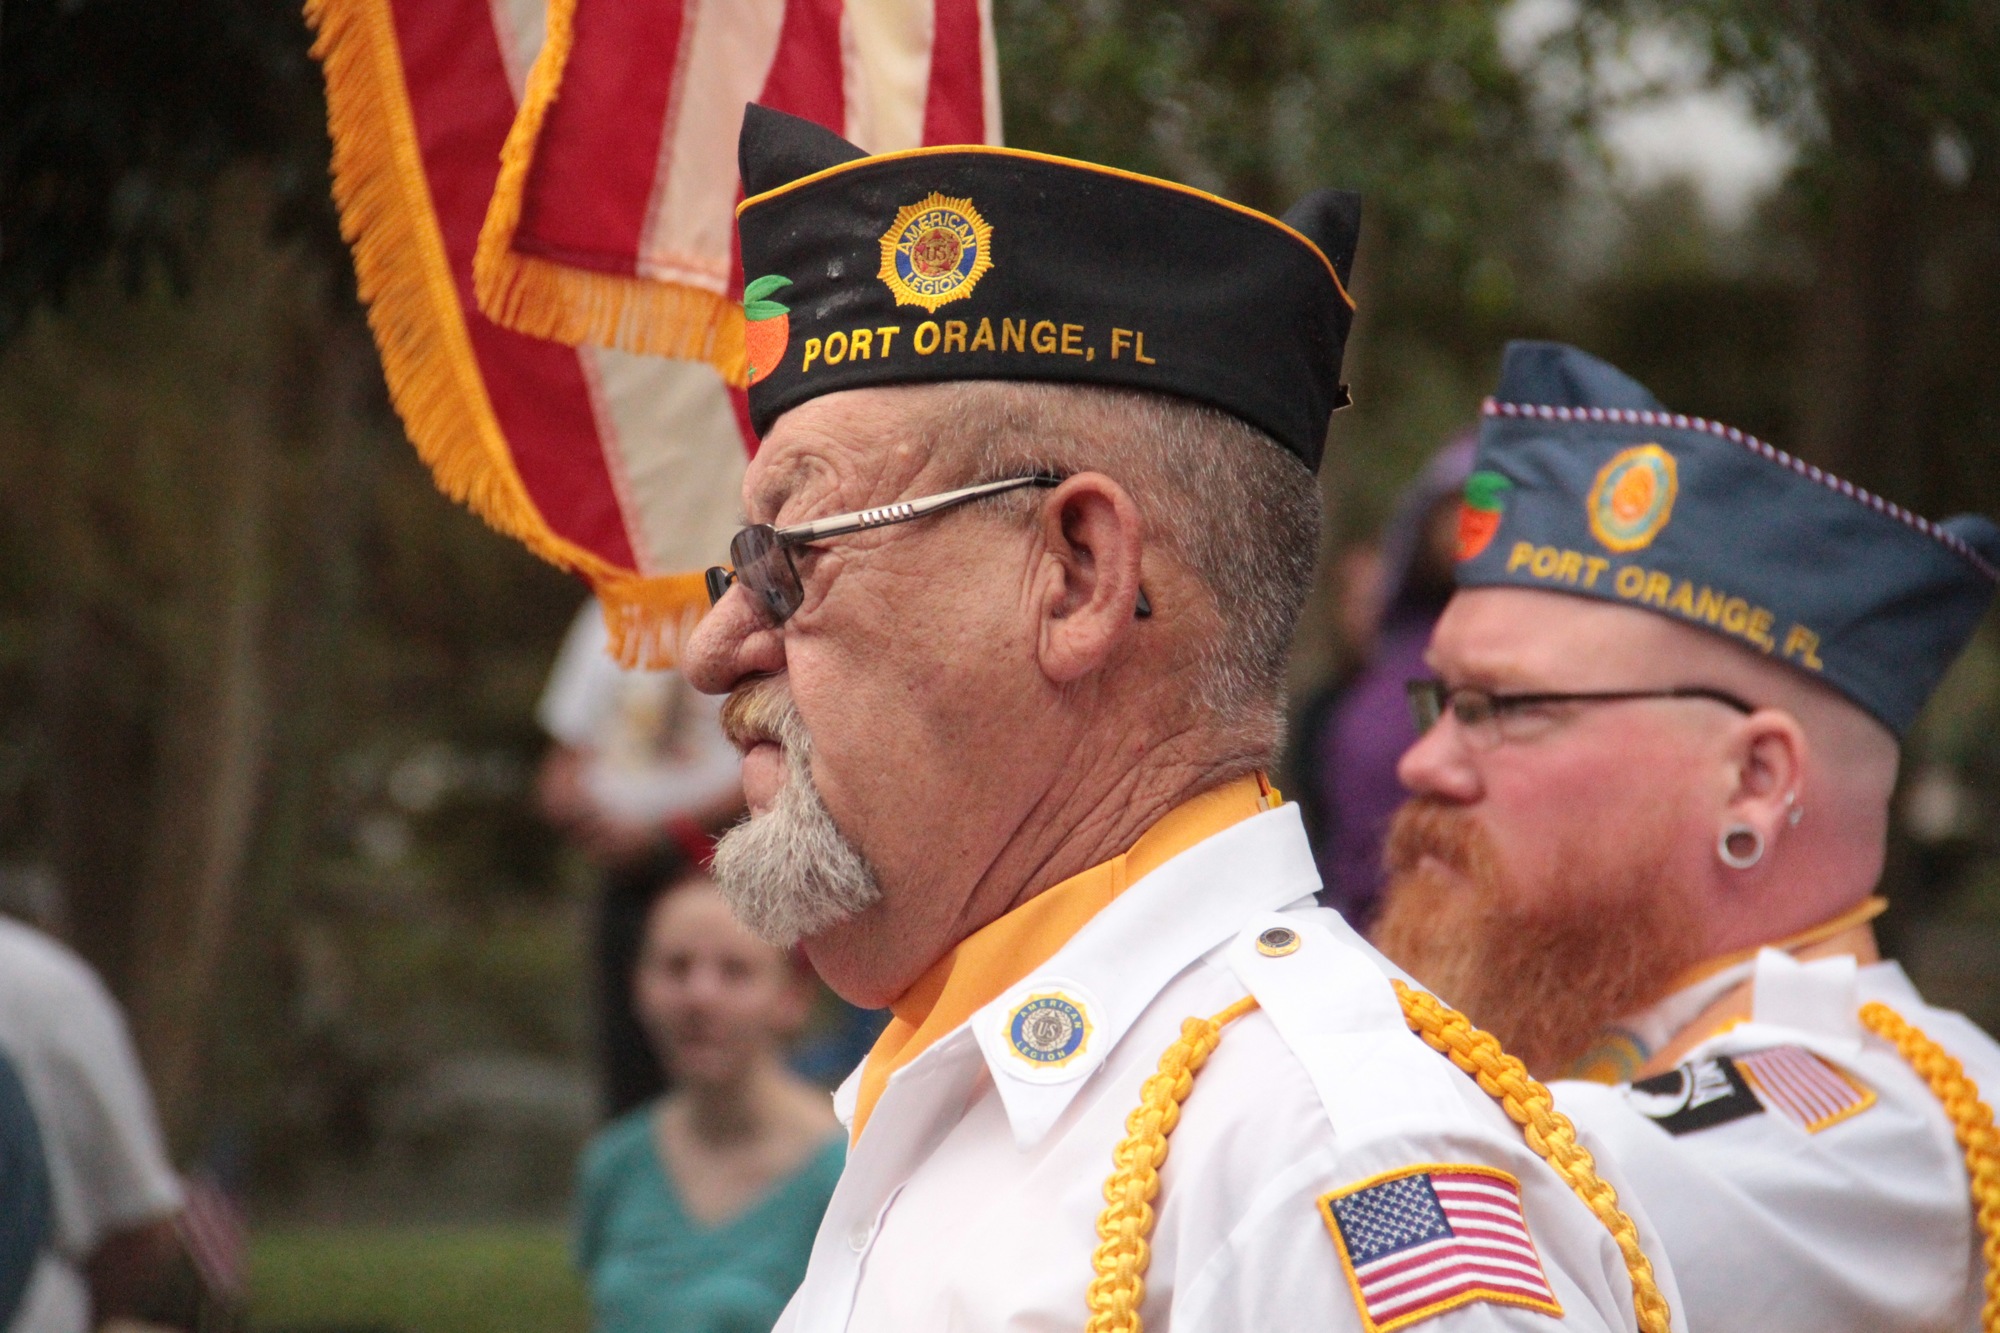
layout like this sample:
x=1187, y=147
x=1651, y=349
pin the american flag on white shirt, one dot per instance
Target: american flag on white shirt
x=1432, y=1238
x=1804, y=1088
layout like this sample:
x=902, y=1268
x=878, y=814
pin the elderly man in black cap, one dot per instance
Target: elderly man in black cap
x=1005, y=767
x=1649, y=819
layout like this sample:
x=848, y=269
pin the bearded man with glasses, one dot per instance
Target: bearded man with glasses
x=1004, y=642
x=1651, y=801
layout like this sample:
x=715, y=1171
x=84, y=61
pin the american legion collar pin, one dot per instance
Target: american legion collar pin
x=1049, y=1031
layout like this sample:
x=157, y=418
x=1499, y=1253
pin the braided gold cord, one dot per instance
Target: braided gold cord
x=1972, y=1123
x=1548, y=1131
x=1123, y=1227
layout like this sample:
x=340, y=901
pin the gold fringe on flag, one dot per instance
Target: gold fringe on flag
x=405, y=280
x=575, y=305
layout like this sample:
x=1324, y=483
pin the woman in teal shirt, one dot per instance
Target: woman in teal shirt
x=697, y=1212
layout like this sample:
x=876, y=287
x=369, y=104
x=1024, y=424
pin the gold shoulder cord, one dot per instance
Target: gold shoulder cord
x=1972, y=1123
x=1547, y=1130
x=1123, y=1251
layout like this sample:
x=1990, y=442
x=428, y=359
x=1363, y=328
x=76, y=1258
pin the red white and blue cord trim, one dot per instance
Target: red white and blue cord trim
x=1638, y=417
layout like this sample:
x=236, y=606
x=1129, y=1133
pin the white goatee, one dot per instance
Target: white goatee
x=789, y=873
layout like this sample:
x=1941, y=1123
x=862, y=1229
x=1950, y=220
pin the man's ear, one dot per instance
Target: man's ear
x=1087, y=589
x=1766, y=760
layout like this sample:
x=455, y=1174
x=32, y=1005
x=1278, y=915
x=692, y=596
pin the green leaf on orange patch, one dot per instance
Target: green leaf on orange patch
x=756, y=304
x=1484, y=489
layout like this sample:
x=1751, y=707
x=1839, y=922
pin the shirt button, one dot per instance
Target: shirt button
x=859, y=1235
x=1278, y=941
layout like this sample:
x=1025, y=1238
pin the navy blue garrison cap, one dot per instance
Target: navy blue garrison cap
x=1585, y=484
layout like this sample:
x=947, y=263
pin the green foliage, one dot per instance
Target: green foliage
x=487, y=1279
x=117, y=117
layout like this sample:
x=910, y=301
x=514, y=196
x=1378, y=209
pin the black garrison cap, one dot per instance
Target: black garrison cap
x=972, y=262
x=1585, y=484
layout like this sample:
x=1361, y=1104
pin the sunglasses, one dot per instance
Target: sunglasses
x=762, y=554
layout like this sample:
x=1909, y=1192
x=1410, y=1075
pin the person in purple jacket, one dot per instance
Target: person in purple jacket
x=1362, y=728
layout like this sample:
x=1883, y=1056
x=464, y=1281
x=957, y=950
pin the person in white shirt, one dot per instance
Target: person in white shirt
x=1649, y=819
x=114, y=1198
x=638, y=756
x=640, y=778
x=1005, y=772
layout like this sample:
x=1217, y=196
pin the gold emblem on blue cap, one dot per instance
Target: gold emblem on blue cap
x=1633, y=497
x=935, y=252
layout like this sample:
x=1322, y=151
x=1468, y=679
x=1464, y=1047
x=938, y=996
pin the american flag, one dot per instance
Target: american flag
x=1803, y=1088
x=211, y=1227
x=1431, y=1239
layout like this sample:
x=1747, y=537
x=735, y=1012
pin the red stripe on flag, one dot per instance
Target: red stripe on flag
x=587, y=194
x=463, y=105
x=955, y=111
x=806, y=77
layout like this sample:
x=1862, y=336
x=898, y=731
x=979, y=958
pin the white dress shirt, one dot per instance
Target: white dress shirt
x=970, y=1201
x=1823, y=1195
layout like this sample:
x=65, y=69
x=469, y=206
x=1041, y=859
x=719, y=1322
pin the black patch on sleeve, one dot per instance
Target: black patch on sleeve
x=1698, y=1095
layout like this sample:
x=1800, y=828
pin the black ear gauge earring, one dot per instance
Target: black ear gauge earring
x=1144, y=611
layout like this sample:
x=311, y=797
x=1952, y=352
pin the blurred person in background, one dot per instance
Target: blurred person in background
x=1354, y=733
x=113, y=1249
x=24, y=1191
x=640, y=777
x=697, y=1211
x=1649, y=824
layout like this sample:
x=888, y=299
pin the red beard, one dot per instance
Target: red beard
x=1546, y=971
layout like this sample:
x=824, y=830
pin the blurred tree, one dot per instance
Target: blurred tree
x=1896, y=108
x=116, y=118
x=225, y=574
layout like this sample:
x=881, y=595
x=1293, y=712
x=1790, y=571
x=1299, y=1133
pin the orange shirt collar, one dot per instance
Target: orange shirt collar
x=997, y=955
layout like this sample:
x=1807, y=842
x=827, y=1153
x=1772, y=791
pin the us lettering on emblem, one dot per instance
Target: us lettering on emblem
x=1427, y=1239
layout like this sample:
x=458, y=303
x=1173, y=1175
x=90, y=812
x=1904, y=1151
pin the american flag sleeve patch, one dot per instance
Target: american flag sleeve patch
x=1427, y=1239
x=1804, y=1088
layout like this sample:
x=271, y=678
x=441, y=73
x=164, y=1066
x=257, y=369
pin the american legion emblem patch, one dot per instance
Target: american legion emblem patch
x=935, y=252
x=1427, y=1239
x=1633, y=497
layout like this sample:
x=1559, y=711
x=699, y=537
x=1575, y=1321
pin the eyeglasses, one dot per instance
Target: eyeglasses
x=1483, y=715
x=762, y=554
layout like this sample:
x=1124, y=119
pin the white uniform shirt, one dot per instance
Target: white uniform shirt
x=1800, y=1171
x=970, y=1201
x=108, y=1168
